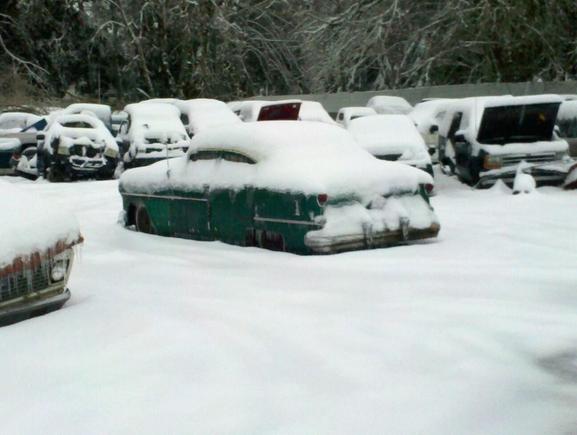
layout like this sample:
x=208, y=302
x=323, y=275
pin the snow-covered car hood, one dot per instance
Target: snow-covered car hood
x=389, y=134
x=31, y=224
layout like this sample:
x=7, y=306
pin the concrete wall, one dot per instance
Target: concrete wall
x=333, y=102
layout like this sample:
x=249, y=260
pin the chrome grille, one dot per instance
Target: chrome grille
x=26, y=281
x=529, y=158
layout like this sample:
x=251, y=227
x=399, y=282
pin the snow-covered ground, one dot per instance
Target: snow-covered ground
x=475, y=333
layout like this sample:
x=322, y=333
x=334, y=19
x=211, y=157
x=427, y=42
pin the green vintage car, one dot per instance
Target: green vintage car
x=302, y=187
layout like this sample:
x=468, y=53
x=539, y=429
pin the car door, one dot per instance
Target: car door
x=232, y=210
x=189, y=211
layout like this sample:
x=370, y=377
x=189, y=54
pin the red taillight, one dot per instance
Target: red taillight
x=429, y=187
x=322, y=199
x=16, y=155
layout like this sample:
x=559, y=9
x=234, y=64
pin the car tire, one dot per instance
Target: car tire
x=55, y=175
x=142, y=221
x=272, y=241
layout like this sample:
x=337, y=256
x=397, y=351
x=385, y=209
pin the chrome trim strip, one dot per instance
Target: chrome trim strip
x=286, y=221
x=171, y=197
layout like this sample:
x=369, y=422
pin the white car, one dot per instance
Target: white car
x=427, y=116
x=74, y=146
x=392, y=137
x=346, y=114
x=14, y=122
x=21, y=126
x=151, y=132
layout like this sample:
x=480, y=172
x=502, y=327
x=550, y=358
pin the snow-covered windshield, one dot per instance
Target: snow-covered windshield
x=518, y=123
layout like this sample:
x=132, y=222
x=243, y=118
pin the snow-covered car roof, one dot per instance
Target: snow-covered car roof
x=298, y=156
x=382, y=134
x=32, y=224
x=101, y=111
x=474, y=107
x=80, y=128
x=14, y=122
x=206, y=113
x=151, y=119
x=388, y=104
x=429, y=113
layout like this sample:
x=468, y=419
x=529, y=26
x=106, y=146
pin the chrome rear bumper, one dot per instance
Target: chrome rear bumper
x=335, y=244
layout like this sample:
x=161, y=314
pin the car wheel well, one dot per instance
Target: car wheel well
x=131, y=215
x=142, y=220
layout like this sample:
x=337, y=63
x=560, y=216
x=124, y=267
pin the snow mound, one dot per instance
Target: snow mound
x=30, y=224
x=500, y=188
x=524, y=183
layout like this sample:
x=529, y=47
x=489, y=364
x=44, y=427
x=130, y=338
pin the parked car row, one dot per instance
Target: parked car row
x=484, y=139
x=278, y=175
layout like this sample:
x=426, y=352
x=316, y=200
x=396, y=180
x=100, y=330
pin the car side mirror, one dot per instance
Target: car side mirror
x=433, y=129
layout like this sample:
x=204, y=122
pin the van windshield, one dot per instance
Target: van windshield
x=519, y=123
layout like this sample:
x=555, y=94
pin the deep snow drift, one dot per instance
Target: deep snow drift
x=475, y=333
